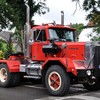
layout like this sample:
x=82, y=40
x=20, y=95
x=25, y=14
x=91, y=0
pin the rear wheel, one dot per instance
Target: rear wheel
x=57, y=81
x=8, y=79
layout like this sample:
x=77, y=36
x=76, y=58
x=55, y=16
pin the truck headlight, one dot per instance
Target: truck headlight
x=88, y=72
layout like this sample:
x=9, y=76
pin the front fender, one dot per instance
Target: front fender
x=61, y=60
x=69, y=64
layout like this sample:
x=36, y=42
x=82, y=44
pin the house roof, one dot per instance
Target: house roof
x=5, y=35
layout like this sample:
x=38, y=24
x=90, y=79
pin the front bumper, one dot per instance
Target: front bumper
x=88, y=72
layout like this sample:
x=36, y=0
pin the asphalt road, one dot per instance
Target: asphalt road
x=29, y=91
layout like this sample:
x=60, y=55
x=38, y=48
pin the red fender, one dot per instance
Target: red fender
x=63, y=61
x=74, y=65
x=69, y=64
x=13, y=65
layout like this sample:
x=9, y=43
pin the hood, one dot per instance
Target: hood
x=72, y=50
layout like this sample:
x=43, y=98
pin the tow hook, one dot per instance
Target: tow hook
x=92, y=80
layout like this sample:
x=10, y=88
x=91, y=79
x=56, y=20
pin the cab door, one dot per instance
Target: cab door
x=39, y=37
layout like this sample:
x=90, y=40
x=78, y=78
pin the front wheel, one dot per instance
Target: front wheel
x=57, y=81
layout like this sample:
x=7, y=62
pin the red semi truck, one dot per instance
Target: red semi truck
x=51, y=54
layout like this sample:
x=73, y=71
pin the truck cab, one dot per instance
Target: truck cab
x=47, y=34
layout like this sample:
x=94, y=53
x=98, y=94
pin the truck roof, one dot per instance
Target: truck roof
x=46, y=26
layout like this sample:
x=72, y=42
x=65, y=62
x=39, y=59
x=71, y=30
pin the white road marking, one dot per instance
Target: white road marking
x=83, y=96
x=79, y=97
x=71, y=97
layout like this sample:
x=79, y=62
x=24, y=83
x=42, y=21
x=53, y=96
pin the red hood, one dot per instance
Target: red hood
x=73, y=50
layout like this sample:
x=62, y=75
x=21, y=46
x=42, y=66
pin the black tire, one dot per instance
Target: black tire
x=7, y=79
x=92, y=87
x=61, y=81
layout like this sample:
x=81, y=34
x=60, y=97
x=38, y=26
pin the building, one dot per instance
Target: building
x=86, y=32
x=6, y=36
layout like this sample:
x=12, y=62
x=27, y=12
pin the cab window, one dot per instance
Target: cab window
x=39, y=35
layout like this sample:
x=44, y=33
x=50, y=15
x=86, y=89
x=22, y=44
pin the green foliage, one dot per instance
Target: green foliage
x=79, y=27
x=13, y=12
x=3, y=47
x=1, y=55
x=6, y=48
x=10, y=49
x=93, y=7
x=17, y=37
x=95, y=38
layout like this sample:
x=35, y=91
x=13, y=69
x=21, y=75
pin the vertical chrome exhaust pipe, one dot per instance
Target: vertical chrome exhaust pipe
x=62, y=18
x=27, y=31
x=27, y=11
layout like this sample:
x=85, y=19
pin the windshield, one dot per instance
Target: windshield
x=62, y=34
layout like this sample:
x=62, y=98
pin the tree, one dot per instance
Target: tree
x=1, y=55
x=3, y=48
x=93, y=7
x=77, y=4
x=13, y=14
x=79, y=27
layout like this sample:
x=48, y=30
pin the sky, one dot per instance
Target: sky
x=56, y=6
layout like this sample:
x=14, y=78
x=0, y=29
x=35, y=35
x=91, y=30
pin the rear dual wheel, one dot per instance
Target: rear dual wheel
x=8, y=79
x=57, y=81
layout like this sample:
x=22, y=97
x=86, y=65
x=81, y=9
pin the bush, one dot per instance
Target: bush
x=1, y=55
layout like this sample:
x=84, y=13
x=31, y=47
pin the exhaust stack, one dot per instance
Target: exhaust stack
x=62, y=18
x=27, y=31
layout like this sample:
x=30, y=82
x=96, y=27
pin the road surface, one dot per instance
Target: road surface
x=29, y=91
